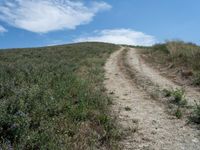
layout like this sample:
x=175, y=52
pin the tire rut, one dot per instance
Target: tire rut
x=155, y=81
x=145, y=123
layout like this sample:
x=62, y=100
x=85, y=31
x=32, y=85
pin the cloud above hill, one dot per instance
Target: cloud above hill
x=119, y=36
x=42, y=16
x=2, y=29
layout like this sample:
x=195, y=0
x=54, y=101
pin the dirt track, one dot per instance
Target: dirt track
x=144, y=120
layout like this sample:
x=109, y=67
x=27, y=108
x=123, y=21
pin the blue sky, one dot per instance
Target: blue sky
x=33, y=23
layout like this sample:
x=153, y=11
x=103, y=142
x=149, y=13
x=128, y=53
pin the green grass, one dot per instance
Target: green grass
x=53, y=98
x=177, y=96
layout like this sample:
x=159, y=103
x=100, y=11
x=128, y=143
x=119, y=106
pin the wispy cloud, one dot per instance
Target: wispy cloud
x=2, y=29
x=120, y=36
x=42, y=16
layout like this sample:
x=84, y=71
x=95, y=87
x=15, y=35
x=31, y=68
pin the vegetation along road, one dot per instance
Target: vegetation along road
x=148, y=112
x=89, y=96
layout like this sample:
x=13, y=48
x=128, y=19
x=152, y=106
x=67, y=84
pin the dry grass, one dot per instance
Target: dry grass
x=188, y=53
x=183, y=57
x=181, y=49
x=180, y=60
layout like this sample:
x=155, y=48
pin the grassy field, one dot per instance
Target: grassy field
x=181, y=56
x=53, y=98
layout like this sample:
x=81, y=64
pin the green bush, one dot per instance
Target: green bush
x=179, y=97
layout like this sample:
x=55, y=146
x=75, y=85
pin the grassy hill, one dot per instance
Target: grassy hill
x=53, y=98
x=183, y=59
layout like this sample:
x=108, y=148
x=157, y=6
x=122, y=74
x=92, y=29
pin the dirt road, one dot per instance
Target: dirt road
x=145, y=123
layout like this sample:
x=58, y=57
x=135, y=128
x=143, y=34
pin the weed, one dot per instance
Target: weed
x=179, y=97
x=178, y=113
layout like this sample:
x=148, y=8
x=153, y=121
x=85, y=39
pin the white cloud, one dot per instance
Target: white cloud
x=2, y=29
x=120, y=36
x=42, y=16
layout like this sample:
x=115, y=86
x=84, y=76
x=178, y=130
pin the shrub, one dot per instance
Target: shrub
x=179, y=97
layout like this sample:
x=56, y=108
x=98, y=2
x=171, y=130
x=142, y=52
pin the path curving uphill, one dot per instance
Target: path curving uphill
x=153, y=77
x=145, y=121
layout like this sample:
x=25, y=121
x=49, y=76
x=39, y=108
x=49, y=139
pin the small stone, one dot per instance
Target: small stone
x=195, y=140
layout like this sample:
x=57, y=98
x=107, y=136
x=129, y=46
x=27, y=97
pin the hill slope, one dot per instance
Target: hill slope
x=53, y=98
